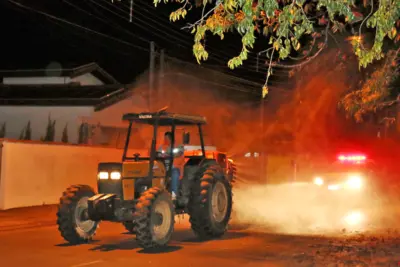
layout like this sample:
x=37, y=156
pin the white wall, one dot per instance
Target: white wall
x=16, y=118
x=85, y=79
x=35, y=173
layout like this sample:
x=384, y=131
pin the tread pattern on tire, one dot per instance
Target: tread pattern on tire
x=66, y=210
x=143, y=217
x=233, y=169
x=200, y=217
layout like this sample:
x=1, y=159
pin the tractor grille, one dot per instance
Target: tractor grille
x=110, y=187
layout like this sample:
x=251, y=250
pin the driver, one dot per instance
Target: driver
x=178, y=163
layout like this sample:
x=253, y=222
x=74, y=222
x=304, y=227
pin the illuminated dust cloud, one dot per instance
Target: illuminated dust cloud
x=301, y=208
x=317, y=130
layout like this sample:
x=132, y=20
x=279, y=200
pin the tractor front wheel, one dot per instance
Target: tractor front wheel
x=72, y=216
x=211, y=203
x=154, y=218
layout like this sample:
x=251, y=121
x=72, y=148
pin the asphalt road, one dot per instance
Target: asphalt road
x=43, y=246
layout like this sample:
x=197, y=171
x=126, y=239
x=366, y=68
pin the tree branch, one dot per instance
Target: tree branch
x=189, y=26
x=309, y=51
x=310, y=58
x=364, y=20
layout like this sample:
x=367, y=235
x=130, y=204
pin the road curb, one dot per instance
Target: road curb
x=27, y=225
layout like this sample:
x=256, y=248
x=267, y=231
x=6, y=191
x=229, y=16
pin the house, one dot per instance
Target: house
x=66, y=96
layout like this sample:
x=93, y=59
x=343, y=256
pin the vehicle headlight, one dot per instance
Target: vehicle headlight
x=103, y=175
x=318, y=181
x=355, y=182
x=115, y=175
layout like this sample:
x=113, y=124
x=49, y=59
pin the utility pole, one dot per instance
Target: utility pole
x=262, y=152
x=151, y=73
x=161, y=74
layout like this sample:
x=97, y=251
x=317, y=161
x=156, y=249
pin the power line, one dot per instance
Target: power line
x=223, y=61
x=172, y=24
x=139, y=25
x=90, y=30
x=96, y=32
x=251, y=59
x=106, y=22
x=259, y=85
x=77, y=25
x=88, y=38
x=121, y=28
x=236, y=88
x=217, y=57
x=182, y=43
x=171, y=27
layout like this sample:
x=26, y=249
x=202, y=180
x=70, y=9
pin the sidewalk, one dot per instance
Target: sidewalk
x=31, y=217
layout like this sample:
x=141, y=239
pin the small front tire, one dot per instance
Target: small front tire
x=72, y=218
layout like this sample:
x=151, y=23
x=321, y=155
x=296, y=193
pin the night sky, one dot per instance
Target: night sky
x=32, y=40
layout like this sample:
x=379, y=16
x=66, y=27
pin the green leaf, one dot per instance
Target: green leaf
x=156, y=2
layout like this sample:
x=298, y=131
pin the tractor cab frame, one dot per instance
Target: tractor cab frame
x=162, y=118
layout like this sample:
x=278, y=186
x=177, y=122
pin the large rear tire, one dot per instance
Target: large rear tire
x=154, y=217
x=72, y=218
x=210, y=206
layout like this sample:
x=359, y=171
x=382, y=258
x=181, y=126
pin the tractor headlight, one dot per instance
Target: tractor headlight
x=354, y=182
x=115, y=175
x=318, y=181
x=103, y=175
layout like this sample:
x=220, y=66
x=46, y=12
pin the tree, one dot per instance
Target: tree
x=286, y=23
x=376, y=93
x=28, y=131
x=50, y=130
x=80, y=134
x=21, y=134
x=64, y=137
x=83, y=133
x=3, y=130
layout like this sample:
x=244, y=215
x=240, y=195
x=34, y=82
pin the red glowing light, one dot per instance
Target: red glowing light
x=352, y=158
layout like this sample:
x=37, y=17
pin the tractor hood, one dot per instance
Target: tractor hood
x=139, y=169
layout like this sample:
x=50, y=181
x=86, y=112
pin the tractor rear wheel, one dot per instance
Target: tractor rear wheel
x=210, y=206
x=154, y=218
x=72, y=216
x=130, y=227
